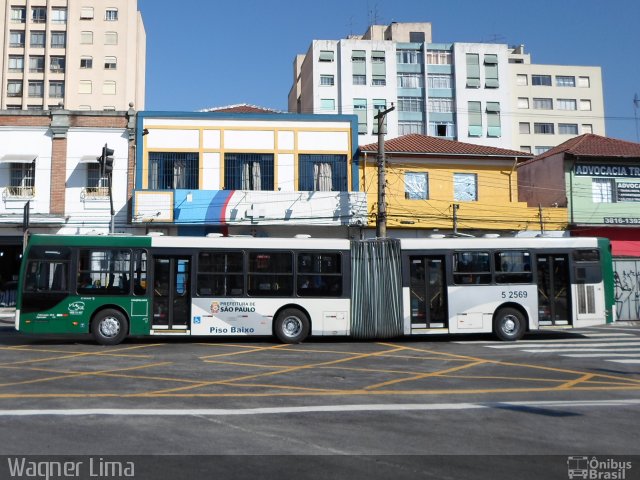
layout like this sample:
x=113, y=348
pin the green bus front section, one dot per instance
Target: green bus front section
x=606, y=258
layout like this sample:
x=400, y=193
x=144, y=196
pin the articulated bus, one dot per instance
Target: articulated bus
x=116, y=286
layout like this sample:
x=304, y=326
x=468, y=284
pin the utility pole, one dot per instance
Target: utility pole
x=541, y=219
x=381, y=220
x=455, y=218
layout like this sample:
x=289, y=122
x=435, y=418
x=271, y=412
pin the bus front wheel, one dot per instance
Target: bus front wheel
x=509, y=324
x=292, y=326
x=109, y=327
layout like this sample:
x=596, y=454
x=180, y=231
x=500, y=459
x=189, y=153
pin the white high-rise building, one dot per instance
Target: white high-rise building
x=472, y=92
x=82, y=55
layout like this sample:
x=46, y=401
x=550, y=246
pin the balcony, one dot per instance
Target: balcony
x=18, y=193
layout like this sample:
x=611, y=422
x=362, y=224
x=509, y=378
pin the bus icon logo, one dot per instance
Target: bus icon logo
x=578, y=467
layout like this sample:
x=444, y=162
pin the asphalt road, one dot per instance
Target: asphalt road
x=445, y=407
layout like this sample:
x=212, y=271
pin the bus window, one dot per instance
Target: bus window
x=471, y=268
x=104, y=272
x=319, y=274
x=220, y=274
x=513, y=266
x=47, y=270
x=270, y=274
x=139, y=272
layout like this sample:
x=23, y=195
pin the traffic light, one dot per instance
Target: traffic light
x=106, y=159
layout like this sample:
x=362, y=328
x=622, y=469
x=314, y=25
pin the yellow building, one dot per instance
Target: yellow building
x=442, y=186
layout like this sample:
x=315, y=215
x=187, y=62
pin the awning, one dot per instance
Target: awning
x=18, y=158
x=89, y=159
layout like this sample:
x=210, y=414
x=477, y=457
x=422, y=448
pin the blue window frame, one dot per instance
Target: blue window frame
x=170, y=171
x=322, y=173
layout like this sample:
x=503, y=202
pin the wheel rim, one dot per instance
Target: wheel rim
x=510, y=324
x=110, y=327
x=292, y=326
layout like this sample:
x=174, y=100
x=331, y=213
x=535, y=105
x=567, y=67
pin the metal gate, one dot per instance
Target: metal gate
x=626, y=274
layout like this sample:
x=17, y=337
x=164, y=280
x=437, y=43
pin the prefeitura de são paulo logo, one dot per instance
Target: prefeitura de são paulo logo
x=597, y=468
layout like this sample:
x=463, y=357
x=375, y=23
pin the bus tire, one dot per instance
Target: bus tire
x=109, y=327
x=509, y=324
x=292, y=326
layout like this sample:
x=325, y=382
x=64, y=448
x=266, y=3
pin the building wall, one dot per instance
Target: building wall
x=129, y=52
x=585, y=121
x=542, y=182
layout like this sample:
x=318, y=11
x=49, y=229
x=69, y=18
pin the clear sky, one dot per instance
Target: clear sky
x=211, y=53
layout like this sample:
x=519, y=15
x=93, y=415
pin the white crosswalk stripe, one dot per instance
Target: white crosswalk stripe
x=618, y=347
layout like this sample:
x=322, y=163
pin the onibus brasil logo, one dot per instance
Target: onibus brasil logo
x=597, y=469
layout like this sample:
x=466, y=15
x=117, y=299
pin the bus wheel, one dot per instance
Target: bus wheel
x=292, y=326
x=509, y=324
x=109, y=327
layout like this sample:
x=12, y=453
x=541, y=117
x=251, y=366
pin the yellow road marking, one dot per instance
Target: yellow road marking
x=425, y=375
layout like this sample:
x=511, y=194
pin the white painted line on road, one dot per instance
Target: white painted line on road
x=318, y=409
x=587, y=355
x=574, y=344
x=578, y=349
x=576, y=338
x=625, y=361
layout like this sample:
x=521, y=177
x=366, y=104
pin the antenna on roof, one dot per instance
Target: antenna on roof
x=636, y=105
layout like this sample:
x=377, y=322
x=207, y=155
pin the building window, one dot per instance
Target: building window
x=491, y=71
x=568, y=128
x=85, y=86
x=322, y=173
x=97, y=184
x=522, y=80
x=110, y=63
x=584, y=82
x=493, y=119
x=406, y=127
x=416, y=186
x=16, y=38
x=565, y=81
x=437, y=80
x=14, y=88
x=171, y=171
x=377, y=56
x=416, y=37
x=36, y=88
x=16, y=63
x=473, y=70
x=326, y=80
x=57, y=64
x=111, y=14
x=58, y=39
x=18, y=14
x=22, y=181
x=327, y=104
x=524, y=127
x=36, y=39
x=86, y=38
x=248, y=171
x=38, y=14
x=358, y=62
x=410, y=104
x=541, y=80
x=475, y=119
x=86, y=62
x=111, y=38
x=379, y=105
x=438, y=57
x=410, y=80
x=378, y=80
x=408, y=56
x=523, y=102
x=378, y=68
x=566, y=104
x=602, y=190
x=440, y=105
x=86, y=13
x=543, y=104
x=442, y=129
x=360, y=109
x=109, y=87
x=34, y=108
x=59, y=15
x=541, y=150
x=585, y=104
x=325, y=56
x=359, y=79
x=525, y=148
x=465, y=187
x=587, y=128
x=14, y=107
x=543, y=128
x=56, y=89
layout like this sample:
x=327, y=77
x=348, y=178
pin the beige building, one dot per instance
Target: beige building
x=553, y=103
x=83, y=54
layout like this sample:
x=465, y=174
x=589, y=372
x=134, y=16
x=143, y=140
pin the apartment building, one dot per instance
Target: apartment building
x=78, y=54
x=472, y=92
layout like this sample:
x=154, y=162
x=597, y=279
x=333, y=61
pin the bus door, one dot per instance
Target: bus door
x=554, y=306
x=171, y=292
x=428, y=292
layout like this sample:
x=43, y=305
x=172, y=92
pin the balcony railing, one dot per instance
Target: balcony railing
x=94, y=193
x=18, y=192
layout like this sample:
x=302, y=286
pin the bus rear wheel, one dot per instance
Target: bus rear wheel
x=292, y=326
x=509, y=324
x=109, y=327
